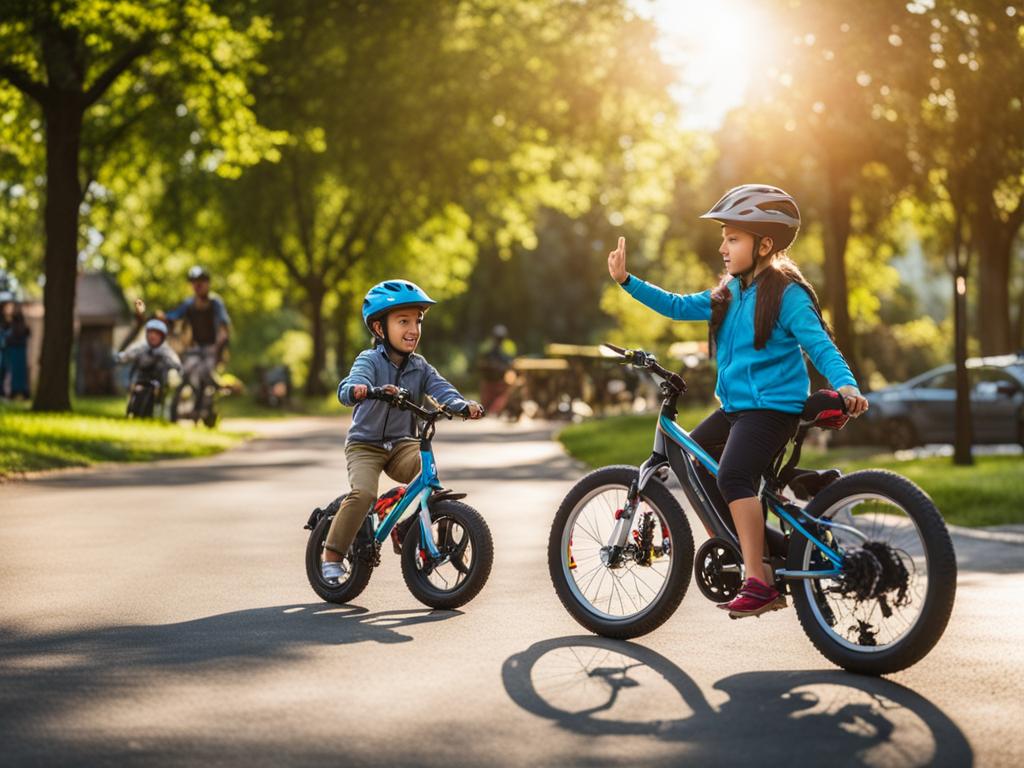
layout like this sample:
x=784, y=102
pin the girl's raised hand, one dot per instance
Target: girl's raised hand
x=617, y=262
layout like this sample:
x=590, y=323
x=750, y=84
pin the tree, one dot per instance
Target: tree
x=95, y=70
x=828, y=118
x=977, y=55
x=466, y=116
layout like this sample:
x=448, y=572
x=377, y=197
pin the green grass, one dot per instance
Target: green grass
x=96, y=432
x=989, y=493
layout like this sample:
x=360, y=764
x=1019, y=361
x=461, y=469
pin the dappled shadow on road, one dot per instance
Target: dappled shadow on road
x=43, y=675
x=607, y=688
x=555, y=468
x=497, y=436
x=169, y=475
x=980, y=555
x=239, y=465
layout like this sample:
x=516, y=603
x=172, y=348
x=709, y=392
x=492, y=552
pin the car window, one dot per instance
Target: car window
x=945, y=380
x=988, y=374
x=986, y=381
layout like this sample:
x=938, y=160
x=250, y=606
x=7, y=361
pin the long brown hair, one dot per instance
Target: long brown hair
x=771, y=283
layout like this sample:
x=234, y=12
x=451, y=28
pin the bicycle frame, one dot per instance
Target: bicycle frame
x=418, y=492
x=675, y=448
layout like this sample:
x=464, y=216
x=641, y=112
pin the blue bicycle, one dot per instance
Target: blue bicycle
x=866, y=558
x=445, y=546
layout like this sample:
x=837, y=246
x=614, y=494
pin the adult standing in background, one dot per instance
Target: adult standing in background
x=495, y=364
x=15, y=332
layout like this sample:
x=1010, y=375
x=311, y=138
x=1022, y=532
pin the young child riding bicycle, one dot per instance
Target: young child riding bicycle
x=379, y=439
x=152, y=357
x=762, y=316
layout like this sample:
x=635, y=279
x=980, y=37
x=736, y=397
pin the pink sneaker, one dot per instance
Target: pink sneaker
x=755, y=598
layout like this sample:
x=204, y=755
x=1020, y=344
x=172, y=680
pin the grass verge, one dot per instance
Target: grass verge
x=989, y=493
x=37, y=441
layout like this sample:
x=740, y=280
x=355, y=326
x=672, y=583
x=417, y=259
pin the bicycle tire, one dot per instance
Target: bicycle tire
x=660, y=609
x=942, y=572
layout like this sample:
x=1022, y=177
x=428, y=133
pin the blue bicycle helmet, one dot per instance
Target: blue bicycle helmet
x=157, y=325
x=392, y=294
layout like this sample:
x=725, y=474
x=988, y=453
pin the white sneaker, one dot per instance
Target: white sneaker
x=332, y=572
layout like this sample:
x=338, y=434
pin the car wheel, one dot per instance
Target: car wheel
x=900, y=434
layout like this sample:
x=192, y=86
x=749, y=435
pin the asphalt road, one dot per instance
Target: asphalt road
x=159, y=615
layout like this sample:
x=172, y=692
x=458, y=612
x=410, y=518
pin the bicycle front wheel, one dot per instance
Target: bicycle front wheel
x=890, y=605
x=628, y=593
x=467, y=553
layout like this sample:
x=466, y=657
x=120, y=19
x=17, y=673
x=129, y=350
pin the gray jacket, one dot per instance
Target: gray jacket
x=141, y=355
x=374, y=421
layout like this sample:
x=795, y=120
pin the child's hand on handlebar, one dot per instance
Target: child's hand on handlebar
x=856, y=403
x=359, y=392
x=474, y=410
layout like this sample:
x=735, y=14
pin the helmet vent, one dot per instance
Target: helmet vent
x=393, y=287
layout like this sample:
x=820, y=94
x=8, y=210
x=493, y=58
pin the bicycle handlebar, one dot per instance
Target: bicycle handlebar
x=640, y=359
x=400, y=400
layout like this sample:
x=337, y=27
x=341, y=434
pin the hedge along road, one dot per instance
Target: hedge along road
x=159, y=614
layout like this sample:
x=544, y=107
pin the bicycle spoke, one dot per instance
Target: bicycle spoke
x=618, y=591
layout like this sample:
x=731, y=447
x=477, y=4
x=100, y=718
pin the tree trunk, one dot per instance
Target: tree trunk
x=342, y=342
x=1019, y=336
x=962, y=455
x=836, y=233
x=994, y=239
x=314, y=381
x=63, y=117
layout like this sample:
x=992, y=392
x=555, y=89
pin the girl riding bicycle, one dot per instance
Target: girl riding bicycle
x=762, y=316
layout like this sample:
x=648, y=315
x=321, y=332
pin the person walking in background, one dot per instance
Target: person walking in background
x=495, y=365
x=14, y=332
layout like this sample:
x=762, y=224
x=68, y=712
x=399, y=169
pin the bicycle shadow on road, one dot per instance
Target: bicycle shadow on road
x=600, y=687
x=42, y=674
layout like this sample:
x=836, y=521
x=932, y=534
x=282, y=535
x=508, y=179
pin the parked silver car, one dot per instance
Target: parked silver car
x=921, y=410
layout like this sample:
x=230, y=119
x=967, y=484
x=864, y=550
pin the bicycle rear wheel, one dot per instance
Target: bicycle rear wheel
x=358, y=566
x=892, y=602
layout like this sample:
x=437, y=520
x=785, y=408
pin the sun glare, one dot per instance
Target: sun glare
x=712, y=44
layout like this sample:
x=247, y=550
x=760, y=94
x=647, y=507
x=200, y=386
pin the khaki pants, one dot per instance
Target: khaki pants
x=365, y=463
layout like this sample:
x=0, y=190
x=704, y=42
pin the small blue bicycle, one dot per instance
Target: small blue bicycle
x=868, y=561
x=446, y=558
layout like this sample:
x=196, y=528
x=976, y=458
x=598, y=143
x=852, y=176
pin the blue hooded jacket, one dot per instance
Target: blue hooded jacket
x=773, y=378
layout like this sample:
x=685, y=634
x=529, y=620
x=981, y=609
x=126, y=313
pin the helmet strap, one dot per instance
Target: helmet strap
x=747, y=275
x=383, y=339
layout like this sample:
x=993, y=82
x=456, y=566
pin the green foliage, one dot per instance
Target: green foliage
x=293, y=348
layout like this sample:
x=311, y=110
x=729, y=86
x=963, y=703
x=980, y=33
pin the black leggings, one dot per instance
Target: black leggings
x=744, y=444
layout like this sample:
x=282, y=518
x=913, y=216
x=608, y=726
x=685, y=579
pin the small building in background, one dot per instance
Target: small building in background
x=102, y=318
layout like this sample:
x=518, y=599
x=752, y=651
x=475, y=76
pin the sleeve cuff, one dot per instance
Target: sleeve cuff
x=625, y=282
